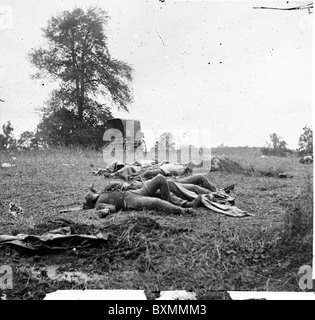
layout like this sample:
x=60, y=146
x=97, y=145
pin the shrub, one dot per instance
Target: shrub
x=306, y=142
x=277, y=147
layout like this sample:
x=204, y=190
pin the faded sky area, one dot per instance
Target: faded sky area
x=222, y=66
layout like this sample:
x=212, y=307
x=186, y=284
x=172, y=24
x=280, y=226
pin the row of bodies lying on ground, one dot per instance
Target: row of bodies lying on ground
x=217, y=163
x=117, y=169
x=147, y=170
x=176, y=196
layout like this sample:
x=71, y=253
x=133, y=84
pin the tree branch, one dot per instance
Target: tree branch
x=306, y=6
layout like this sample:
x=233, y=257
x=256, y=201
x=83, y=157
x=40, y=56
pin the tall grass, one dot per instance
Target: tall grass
x=206, y=252
x=298, y=222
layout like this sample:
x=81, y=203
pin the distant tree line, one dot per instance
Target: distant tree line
x=278, y=147
x=33, y=140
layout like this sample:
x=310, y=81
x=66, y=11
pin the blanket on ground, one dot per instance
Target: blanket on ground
x=207, y=201
x=58, y=239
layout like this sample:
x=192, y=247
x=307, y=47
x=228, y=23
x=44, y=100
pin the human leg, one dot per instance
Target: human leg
x=195, y=188
x=200, y=180
x=180, y=191
x=178, y=201
x=139, y=202
x=160, y=183
x=185, y=203
x=149, y=174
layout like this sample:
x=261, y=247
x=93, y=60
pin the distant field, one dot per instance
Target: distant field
x=154, y=251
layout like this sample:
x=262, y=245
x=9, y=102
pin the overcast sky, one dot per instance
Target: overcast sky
x=222, y=66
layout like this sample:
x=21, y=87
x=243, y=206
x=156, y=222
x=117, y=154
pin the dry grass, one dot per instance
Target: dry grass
x=153, y=251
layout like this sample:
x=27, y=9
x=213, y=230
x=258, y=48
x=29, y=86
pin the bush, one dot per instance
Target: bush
x=306, y=142
x=7, y=140
x=277, y=147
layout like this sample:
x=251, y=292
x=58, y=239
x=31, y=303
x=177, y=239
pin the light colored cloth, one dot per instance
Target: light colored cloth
x=114, y=166
x=127, y=171
x=169, y=168
x=226, y=209
x=145, y=163
x=229, y=210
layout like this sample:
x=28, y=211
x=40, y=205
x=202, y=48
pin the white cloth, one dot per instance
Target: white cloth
x=170, y=167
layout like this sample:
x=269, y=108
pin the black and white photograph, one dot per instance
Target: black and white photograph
x=156, y=150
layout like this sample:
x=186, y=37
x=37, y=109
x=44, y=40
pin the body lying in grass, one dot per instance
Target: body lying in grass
x=156, y=194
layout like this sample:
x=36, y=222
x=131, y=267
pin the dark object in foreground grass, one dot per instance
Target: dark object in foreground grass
x=58, y=239
x=307, y=159
x=275, y=174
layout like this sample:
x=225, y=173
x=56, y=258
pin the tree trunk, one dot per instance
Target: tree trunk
x=80, y=101
x=82, y=91
x=80, y=109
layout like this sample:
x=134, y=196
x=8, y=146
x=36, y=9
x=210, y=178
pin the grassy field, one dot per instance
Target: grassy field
x=208, y=253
